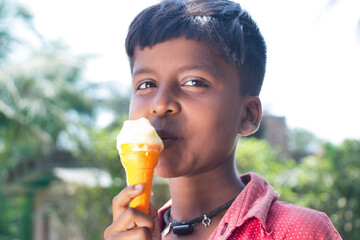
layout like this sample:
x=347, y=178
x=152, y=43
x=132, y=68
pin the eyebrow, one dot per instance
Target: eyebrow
x=204, y=67
x=142, y=70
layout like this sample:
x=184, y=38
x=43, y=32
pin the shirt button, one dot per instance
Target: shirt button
x=224, y=228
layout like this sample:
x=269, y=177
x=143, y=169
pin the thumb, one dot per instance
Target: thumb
x=156, y=235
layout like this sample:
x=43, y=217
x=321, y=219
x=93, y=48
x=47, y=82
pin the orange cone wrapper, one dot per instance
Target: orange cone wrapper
x=139, y=148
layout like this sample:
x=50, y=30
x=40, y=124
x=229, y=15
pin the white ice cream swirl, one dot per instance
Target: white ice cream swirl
x=141, y=133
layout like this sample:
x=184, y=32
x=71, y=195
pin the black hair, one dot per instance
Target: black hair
x=221, y=22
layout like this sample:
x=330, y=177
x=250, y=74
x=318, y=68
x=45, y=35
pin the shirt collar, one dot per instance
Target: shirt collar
x=254, y=200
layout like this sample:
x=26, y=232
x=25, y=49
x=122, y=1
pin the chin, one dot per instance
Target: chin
x=166, y=171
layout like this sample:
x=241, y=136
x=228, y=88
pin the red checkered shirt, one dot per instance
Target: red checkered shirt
x=257, y=214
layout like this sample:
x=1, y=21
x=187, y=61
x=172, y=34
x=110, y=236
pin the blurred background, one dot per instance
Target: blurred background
x=64, y=93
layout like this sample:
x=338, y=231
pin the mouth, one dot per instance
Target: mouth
x=167, y=137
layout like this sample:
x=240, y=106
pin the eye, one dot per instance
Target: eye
x=196, y=83
x=146, y=85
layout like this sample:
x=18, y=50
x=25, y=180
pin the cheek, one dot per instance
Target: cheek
x=219, y=123
x=137, y=109
x=218, y=113
x=216, y=127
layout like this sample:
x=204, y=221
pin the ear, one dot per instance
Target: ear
x=250, y=116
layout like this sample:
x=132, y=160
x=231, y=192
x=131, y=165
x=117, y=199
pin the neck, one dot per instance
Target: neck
x=193, y=196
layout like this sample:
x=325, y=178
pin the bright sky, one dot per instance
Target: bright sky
x=313, y=70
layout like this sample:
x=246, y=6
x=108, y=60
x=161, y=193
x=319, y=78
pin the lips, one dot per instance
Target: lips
x=167, y=137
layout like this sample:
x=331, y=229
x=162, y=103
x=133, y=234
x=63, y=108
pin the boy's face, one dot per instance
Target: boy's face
x=191, y=95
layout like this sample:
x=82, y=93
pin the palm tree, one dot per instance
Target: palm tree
x=39, y=98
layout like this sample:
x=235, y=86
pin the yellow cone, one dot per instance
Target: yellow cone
x=139, y=167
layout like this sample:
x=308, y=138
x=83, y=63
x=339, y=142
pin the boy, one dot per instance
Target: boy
x=197, y=69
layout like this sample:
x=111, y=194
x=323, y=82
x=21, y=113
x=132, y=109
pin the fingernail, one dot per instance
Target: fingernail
x=138, y=187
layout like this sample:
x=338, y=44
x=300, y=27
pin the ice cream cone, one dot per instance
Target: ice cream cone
x=139, y=167
x=139, y=147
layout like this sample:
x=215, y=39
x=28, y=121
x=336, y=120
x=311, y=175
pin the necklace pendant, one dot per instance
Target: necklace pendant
x=183, y=229
x=206, y=221
x=166, y=230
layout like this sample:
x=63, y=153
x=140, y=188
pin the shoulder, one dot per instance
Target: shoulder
x=290, y=220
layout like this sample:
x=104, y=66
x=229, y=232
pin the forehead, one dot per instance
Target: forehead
x=180, y=52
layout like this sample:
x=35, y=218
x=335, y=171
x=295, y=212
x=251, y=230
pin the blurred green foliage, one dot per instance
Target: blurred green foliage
x=302, y=143
x=45, y=104
x=327, y=181
x=94, y=204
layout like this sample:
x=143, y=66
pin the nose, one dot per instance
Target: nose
x=165, y=103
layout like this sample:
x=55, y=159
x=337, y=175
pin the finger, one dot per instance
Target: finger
x=132, y=218
x=120, y=202
x=134, y=234
x=153, y=211
x=156, y=234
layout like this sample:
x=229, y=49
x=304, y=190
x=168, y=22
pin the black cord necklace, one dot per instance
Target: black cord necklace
x=186, y=227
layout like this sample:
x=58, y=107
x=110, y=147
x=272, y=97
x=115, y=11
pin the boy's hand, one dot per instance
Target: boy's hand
x=126, y=219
